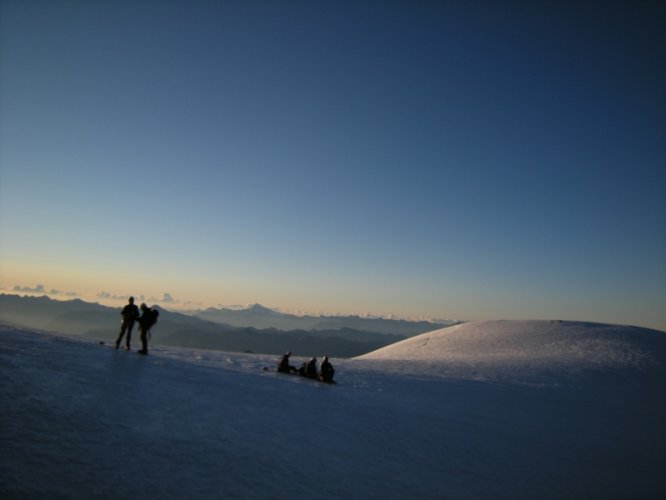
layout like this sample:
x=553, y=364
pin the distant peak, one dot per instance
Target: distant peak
x=258, y=308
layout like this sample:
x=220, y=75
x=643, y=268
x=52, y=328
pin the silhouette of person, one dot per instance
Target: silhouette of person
x=284, y=366
x=146, y=321
x=311, y=368
x=129, y=313
x=326, y=371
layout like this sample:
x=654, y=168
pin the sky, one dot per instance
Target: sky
x=469, y=160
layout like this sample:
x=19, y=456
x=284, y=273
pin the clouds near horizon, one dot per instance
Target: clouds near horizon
x=43, y=290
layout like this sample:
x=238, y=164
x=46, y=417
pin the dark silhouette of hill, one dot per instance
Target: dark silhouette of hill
x=76, y=317
x=270, y=341
x=72, y=317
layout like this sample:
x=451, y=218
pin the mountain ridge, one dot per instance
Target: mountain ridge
x=259, y=316
x=100, y=322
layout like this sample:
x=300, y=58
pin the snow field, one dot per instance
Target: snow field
x=80, y=420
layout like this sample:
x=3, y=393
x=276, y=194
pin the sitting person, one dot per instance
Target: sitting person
x=326, y=371
x=284, y=366
x=311, y=368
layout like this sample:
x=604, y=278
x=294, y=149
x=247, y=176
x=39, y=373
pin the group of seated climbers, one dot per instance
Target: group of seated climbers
x=308, y=368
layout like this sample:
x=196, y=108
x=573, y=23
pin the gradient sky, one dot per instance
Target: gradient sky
x=468, y=160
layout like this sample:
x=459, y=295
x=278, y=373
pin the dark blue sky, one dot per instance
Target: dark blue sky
x=462, y=159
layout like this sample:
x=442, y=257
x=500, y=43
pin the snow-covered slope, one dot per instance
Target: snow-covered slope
x=80, y=420
x=526, y=350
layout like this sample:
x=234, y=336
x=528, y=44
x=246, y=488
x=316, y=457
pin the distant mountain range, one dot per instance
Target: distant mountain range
x=255, y=329
x=258, y=316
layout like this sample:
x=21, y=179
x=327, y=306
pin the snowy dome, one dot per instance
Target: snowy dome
x=481, y=349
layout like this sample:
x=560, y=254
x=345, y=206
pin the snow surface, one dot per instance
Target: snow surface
x=525, y=351
x=481, y=410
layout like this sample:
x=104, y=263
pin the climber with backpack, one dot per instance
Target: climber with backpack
x=146, y=322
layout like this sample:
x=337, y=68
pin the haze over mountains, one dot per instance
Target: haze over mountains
x=258, y=316
x=255, y=329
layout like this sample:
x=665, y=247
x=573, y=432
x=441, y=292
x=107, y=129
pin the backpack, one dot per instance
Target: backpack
x=154, y=313
x=149, y=318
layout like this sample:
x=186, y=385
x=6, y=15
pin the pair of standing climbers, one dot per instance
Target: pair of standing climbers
x=146, y=319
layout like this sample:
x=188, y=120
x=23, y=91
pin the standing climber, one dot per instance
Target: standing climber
x=146, y=321
x=129, y=313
